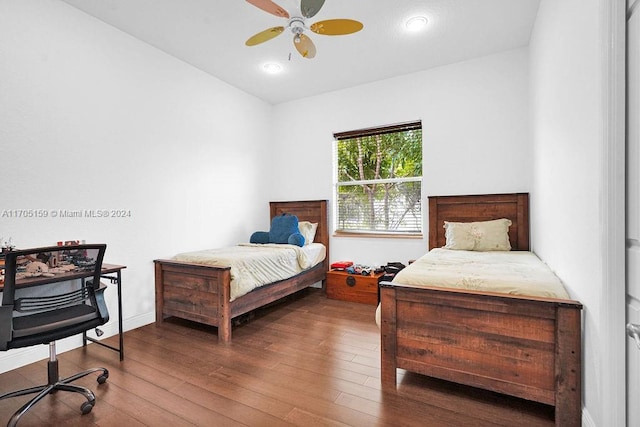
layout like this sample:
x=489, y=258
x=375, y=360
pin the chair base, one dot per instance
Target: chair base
x=54, y=385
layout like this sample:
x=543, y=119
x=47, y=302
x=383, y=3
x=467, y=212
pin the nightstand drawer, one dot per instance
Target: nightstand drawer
x=353, y=287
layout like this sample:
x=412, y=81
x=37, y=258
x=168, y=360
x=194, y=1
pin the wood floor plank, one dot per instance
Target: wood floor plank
x=330, y=381
x=305, y=401
x=232, y=409
x=302, y=418
x=326, y=368
x=309, y=361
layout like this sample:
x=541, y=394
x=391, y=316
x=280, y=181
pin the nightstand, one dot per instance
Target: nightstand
x=353, y=287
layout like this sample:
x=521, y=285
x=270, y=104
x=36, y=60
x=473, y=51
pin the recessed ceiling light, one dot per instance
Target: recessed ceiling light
x=272, y=67
x=416, y=23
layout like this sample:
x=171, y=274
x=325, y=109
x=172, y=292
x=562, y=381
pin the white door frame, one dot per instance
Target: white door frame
x=612, y=211
x=632, y=291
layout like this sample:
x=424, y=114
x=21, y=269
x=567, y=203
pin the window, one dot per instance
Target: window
x=378, y=180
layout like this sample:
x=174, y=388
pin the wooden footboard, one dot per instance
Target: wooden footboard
x=201, y=293
x=520, y=346
x=194, y=292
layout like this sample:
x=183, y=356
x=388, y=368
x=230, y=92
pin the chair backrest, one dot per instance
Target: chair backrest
x=34, y=308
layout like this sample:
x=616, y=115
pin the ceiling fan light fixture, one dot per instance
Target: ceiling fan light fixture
x=297, y=24
x=272, y=67
x=416, y=23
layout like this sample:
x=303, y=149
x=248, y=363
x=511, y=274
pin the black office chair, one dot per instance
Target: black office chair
x=35, y=311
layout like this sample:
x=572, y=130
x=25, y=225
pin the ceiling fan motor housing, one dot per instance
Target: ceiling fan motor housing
x=297, y=26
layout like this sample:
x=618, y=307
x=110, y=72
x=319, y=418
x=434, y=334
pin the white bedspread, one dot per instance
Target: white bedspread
x=508, y=272
x=254, y=265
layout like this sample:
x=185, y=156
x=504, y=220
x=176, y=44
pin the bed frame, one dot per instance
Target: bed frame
x=201, y=293
x=527, y=347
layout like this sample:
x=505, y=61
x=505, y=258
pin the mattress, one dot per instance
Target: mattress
x=255, y=265
x=508, y=272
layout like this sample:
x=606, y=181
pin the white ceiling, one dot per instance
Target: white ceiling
x=210, y=35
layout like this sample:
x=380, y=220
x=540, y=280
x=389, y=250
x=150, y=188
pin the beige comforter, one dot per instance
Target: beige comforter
x=254, y=265
x=508, y=272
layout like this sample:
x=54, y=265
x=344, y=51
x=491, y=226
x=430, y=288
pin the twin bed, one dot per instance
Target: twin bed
x=512, y=343
x=193, y=290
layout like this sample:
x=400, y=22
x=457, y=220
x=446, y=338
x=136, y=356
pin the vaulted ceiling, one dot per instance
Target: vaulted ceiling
x=211, y=35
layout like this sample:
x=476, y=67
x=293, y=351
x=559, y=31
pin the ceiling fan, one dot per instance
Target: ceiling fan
x=297, y=24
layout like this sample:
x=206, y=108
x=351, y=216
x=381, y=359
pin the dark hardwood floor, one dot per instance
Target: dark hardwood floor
x=309, y=361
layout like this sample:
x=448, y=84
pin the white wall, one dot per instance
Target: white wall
x=91, y=118
x=567, y=121
x=475, y=138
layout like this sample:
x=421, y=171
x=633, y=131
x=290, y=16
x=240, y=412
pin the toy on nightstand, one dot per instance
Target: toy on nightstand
x=341, y=265
x=391, y=269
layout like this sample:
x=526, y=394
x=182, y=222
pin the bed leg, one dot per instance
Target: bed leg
x=388, y=338
x=224, y=310
x=159, y=293
x=224, y=330
x=568, y=370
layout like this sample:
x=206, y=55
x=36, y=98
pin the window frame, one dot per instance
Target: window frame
x=378, y=130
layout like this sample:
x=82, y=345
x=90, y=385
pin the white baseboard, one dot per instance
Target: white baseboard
x=587, y=421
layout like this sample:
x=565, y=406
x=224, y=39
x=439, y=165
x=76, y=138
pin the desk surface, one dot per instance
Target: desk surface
x=112, y=268
x=63, y=277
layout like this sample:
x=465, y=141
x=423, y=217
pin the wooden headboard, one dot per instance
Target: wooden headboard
x=482, y=207
x=313, y=211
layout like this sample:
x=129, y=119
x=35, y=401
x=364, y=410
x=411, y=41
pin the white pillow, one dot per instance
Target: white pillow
x=308, y=231
x=478, y=236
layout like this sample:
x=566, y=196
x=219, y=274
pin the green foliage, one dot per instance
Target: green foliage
x=390, y=155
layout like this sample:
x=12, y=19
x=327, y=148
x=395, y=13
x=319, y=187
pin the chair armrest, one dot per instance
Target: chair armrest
x=6, y=325
x=100, y=301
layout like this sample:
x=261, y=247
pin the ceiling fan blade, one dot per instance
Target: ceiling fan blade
x=305, y=46
x=309, y=8
x=270, y=7
x=264, y=36
x=336, y=27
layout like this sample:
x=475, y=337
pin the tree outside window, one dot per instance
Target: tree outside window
x=379, y=180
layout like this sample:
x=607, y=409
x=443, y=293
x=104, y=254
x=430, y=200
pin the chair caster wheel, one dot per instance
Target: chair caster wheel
x=103, y=378
x=86, y=408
